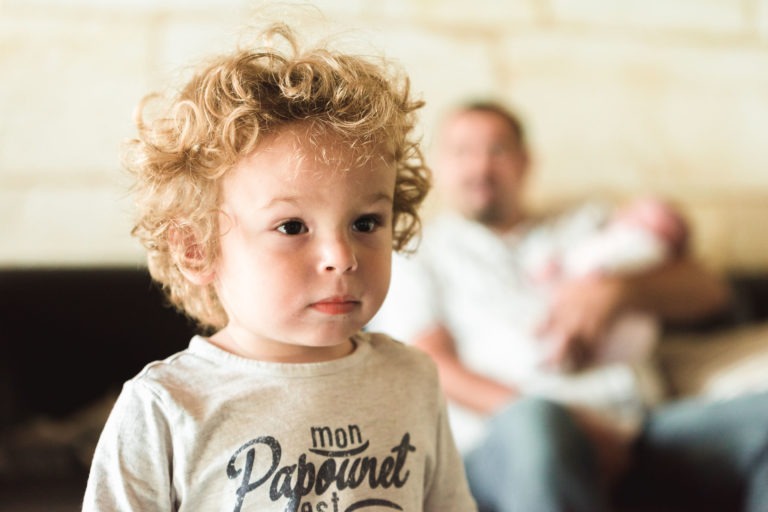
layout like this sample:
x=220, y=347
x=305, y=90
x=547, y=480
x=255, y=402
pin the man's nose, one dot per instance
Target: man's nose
x=337, y=254
x=480, y=161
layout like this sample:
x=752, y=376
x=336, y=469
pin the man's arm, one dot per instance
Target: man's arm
x=680, y=291
x=468, y=388
x=612, y=442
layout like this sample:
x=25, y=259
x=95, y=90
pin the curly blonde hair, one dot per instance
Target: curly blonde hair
x=224, y=111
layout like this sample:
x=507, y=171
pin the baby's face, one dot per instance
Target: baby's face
x=305, y=249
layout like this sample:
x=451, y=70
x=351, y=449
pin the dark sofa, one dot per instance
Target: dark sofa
x=69, y=338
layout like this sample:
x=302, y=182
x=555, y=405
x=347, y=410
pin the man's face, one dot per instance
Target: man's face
x=480, y=167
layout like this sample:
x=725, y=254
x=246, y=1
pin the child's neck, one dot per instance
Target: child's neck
x=279, y=352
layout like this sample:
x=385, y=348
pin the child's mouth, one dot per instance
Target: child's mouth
x=336, y=305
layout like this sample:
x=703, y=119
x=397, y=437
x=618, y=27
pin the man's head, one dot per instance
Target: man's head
x=222, y=116
x=481, y=164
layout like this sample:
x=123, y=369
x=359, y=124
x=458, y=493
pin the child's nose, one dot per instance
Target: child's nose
x=338, y=255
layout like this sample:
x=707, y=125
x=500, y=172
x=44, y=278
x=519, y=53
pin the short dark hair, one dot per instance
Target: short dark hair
x=505, y=113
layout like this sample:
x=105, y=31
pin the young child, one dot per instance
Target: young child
x=270, y=199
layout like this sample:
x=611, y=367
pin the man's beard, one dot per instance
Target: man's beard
x=490, y=215
x=496, y=215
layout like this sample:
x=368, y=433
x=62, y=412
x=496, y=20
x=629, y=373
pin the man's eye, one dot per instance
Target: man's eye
x=366, y=224
x=292, y=227
x=500, y=149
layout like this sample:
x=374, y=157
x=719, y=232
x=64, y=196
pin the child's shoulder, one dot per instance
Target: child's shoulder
x=174, y=368
x=398, y=352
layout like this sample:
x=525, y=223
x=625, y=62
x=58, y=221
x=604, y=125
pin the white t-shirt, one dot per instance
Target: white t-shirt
x=480, y=287
x=205, y=430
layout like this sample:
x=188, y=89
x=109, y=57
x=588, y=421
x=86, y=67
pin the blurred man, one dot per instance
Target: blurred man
x=511, y=353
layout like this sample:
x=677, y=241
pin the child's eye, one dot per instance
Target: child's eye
x=366, y=224
x=292, y=227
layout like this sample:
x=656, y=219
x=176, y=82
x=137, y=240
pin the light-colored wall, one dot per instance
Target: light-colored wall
x=620, y=96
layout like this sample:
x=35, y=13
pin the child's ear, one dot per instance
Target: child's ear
x=190, y=257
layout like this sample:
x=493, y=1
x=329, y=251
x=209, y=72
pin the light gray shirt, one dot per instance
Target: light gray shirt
x=205, y=430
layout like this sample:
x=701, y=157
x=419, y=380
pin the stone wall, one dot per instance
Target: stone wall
x=621, y=97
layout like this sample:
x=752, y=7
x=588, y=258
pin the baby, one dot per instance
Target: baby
x=270, y=197
x=638, y=236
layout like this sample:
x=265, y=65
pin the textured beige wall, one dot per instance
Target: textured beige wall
x=621, y=97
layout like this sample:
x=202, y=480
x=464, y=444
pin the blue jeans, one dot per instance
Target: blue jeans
x=534, y=459
x=692, y=455
x=702, y=455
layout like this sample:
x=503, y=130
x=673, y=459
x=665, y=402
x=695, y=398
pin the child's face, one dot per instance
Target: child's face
x=305, y=249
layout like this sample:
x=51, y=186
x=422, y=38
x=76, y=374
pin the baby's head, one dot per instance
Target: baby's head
x=225, y=113
x=659, y=218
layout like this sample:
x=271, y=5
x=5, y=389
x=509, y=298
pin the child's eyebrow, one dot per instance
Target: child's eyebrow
x=374, y=197
x=379, y=196
x=280, y=199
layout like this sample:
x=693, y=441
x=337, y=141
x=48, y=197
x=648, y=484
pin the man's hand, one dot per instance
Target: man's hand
x=581, y=310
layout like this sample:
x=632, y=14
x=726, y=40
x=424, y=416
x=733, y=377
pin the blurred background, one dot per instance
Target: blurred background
x=621, y=97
